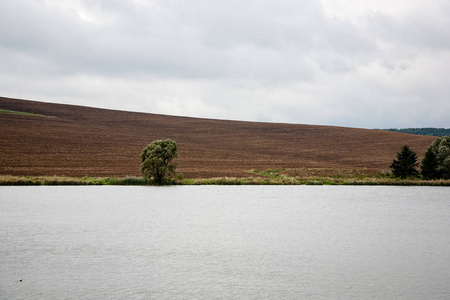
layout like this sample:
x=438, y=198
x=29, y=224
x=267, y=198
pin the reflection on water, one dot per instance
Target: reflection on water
x=216, y=242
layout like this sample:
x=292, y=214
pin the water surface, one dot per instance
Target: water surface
x=216, y=242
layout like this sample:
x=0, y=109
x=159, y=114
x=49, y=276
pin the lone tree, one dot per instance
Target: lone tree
x=157, y=161
x=406, y=163
x=436, y=163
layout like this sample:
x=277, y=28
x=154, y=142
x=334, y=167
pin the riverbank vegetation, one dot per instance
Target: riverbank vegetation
x=311, y=176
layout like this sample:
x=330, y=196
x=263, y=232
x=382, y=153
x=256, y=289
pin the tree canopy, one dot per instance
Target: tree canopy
x=436, y=163
x=158, y=161
x=423, y=131
x=406, y=163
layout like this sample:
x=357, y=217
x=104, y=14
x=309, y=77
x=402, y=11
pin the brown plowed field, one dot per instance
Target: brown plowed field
x=81, y=141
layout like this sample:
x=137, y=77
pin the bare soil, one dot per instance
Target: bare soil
x=79, y=141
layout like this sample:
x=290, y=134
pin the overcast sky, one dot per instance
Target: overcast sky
x=356, y=63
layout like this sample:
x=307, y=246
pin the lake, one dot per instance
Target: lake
x=224, y=242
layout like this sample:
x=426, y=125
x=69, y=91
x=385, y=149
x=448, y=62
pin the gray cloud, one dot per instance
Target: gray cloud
x=285, y=61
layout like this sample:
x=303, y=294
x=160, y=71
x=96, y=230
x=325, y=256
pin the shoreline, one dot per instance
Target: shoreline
x=7, y=180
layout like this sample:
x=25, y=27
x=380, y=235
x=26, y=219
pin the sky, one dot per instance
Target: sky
x=353, y=63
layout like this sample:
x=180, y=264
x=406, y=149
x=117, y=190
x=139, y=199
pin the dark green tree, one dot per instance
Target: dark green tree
x=429, y=165
x=158, y=161
x=437, y=165
x=406, y=163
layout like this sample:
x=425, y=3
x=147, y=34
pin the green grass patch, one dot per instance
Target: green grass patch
x=47, y=180
x=4, y=111
x=7, y=180
x=267, y=173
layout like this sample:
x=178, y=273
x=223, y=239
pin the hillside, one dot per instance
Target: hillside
x=82, y=141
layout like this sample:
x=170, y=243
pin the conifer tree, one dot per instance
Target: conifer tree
x=406, y=163
x=429, y=165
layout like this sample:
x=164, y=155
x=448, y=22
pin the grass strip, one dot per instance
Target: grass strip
x=19, y=112
x=7, y=180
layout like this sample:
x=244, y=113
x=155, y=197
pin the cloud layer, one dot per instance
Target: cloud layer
x=349, y=63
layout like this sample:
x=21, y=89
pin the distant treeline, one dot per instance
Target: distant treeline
x=423, y=131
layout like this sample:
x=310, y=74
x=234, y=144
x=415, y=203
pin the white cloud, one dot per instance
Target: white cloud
x=353, y=63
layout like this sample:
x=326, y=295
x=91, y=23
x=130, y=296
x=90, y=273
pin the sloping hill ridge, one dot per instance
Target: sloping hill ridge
x=68, y=140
